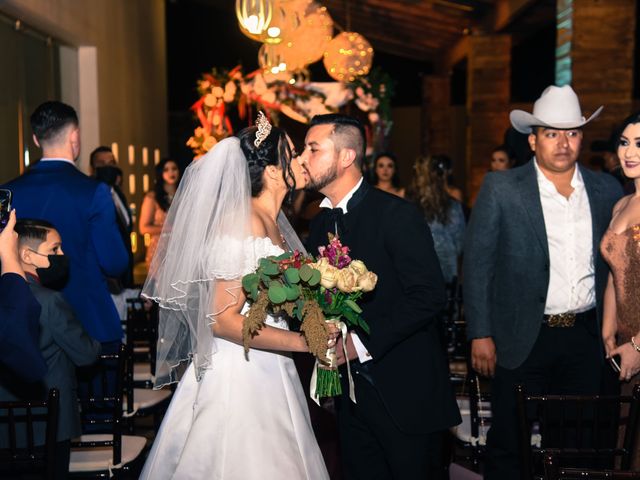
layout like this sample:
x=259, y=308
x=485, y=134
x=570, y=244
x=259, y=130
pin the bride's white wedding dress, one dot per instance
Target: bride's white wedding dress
x=246, y=419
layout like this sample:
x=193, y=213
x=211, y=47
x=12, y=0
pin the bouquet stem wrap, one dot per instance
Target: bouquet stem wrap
x=325, y=380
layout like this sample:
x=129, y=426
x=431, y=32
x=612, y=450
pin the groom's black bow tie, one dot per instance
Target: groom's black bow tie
x=336, y=219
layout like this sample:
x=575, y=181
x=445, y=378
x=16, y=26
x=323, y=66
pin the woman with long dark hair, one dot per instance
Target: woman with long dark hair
x=157, y=202
x=385, y=174
x=234, y=415
x=443, y=213
x=620, y=247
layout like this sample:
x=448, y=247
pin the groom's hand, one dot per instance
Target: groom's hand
x=351, y=350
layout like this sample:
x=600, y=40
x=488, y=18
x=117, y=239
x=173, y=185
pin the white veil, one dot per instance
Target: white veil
x=203, y=240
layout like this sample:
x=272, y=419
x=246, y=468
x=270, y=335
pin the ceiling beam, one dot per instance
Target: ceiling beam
x=453, y=55
x=506, y=11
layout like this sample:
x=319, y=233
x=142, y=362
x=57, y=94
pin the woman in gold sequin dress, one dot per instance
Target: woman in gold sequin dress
x=620, y=247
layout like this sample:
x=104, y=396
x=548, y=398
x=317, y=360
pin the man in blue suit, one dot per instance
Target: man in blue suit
x=82, y=210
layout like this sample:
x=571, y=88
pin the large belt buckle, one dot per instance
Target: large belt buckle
x=562, y=320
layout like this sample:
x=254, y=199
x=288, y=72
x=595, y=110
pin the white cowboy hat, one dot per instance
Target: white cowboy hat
x=557, y=107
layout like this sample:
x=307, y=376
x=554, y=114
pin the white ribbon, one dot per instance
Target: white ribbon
x=333, y=363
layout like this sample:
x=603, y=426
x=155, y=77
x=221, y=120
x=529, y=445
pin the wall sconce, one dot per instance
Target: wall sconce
x=134, y=242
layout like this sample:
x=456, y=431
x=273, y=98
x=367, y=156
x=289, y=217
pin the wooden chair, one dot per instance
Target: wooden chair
x=141, y=327
x=576, y=430
x=104, y=451
x=140, y=399
x=475, y=410
x=19, y=421
x=141, y=402
x=552, y=471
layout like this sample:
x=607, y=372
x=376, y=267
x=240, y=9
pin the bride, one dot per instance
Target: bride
x=232, y=416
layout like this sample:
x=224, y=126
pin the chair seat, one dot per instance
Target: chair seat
x=142, y=372
x=458, y=367
x=463, y=431
x=145, y=398
x=100, y=458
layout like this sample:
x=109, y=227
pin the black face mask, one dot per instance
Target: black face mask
x=108, y=174
x=55, y=276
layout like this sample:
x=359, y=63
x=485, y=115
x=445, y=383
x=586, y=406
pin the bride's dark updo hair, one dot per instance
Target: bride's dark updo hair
x=273, y=150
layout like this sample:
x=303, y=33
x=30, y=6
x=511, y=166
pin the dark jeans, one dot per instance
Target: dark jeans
x=562, y=361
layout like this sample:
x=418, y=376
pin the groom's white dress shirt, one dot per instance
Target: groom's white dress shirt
x=363, y=354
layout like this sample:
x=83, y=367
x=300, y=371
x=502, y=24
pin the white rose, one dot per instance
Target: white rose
x=358, y=266
x=367, y=281
x=347, y=280
x=329, y=276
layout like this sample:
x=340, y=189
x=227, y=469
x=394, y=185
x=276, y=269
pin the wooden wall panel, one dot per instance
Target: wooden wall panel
x=488, y=94
x=603, y=60
x=436, y=114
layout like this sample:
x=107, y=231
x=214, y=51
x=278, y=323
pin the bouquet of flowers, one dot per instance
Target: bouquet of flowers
x=315, y=293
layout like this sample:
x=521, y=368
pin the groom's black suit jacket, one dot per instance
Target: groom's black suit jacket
x=409, y=368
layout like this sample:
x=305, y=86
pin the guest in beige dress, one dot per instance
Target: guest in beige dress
x=621, y=249
x=157, y=202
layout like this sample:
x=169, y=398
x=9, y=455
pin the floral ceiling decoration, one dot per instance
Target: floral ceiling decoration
x=223, y=92
x=294, y=34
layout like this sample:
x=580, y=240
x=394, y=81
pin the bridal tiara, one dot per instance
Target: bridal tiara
x=264, y=129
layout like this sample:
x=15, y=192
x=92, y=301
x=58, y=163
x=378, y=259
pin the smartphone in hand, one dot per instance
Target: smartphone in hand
x=615, y=363
x=5, y=207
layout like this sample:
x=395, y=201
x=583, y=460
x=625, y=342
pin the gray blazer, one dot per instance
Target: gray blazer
x=506, y=258
x=64, y=344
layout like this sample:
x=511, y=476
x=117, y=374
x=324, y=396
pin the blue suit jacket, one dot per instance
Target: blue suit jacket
x=19, y=312
x=82, y=211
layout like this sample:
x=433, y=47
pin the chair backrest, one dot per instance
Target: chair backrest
x=454, y=325
x=21, y=450
x=552, y=471
x=576, y=429
x=142, y=327
x=100, y=391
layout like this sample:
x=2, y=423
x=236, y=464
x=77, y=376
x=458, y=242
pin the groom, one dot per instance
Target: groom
x=404, y=397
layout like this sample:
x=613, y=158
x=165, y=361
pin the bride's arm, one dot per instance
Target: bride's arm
x=229, y=299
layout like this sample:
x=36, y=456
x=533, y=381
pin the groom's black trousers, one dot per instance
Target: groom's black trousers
x=372, y=446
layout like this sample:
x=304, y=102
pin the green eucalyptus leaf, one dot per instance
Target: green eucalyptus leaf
x=264, y=262
x=254, y=293
x=284, y=256
x=293, y=292
x=292, y=275
x=299, y=307
x=249, y=280
x=277, y=293
x=306, y=272
x=271, y=269
x=315, y=278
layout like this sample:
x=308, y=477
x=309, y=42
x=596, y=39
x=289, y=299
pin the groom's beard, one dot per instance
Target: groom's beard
x=317, y=184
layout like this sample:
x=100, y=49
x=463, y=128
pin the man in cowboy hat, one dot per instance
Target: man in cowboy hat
x=533, y=275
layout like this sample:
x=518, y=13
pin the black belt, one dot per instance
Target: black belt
x=565, y=320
